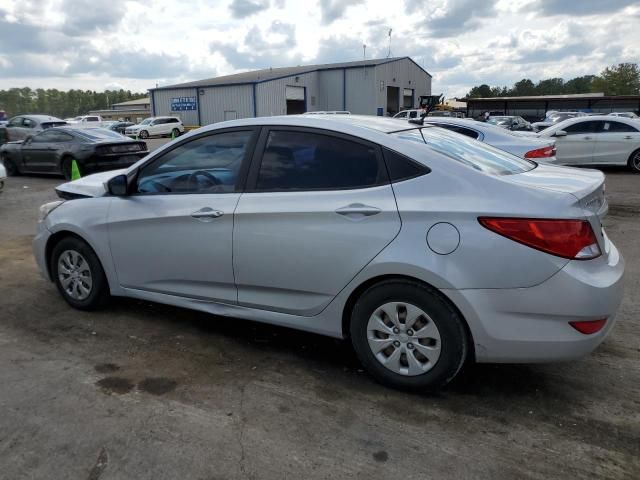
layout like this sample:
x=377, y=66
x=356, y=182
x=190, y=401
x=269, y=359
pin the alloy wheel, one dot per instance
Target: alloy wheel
x=74, y=275
x=403, y=338
x=635, y=162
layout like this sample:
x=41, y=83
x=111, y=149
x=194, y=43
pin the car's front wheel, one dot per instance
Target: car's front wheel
x=10, y=166
x=78, y=274
x=407, y=336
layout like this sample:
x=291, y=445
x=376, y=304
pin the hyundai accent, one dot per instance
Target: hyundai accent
x=424, y=248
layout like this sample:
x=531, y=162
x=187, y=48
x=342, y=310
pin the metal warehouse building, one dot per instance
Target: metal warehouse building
x=370, y=87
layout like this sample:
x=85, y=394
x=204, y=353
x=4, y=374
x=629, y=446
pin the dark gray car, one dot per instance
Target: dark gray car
x=20, y=127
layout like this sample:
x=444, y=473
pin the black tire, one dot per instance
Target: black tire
x=453, y=338
x=99, y=291
x=144, y=134
x=175, y=133
x=634, y=161
x=10, y=166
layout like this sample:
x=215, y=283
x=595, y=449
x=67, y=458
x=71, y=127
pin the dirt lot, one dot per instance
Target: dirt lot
x=147, y=391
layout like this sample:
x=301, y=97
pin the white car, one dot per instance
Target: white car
x=86, y=121
x=407, y=114
x=522, y=146
x=156, y=127
x=596, y=140
x=555, y=117
x=3, y=177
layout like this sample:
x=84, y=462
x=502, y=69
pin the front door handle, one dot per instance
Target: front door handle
x=207, y=214
x=358, y=209
x=628, y=137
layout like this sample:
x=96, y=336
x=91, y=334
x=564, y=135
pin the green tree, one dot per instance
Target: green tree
x=522, y=88
x=550, y=86
x=482, y=91
x=579, y=84
x=623, y=79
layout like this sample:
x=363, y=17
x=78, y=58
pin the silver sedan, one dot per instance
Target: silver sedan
x=423, y=247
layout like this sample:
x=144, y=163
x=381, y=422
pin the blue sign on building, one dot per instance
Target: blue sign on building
x=183, y=103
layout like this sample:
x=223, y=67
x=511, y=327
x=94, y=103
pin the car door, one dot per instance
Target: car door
x=173, y=234
x=615, y=142
x=15, y=129
x=317, y=209
x=578, y=146
x=160, y=126
x=38, y=151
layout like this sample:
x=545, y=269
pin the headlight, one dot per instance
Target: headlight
x=47, y=208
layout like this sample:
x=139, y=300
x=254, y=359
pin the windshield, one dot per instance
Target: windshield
x=98, y=134
x=471, y=153
x=558, y=117
x=146, y=121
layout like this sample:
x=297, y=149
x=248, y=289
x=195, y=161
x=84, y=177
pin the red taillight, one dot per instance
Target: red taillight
x=564, y=238
x=544, y=152
x=590, y=326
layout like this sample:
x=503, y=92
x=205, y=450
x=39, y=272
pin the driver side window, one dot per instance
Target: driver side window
x=208, y=164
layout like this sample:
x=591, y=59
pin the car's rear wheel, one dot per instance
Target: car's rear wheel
x=66, y=167
x=144, y=134
x=407, y=336
x=78, y=274
x=175, y=133
x=634, y=161
x=10, y=166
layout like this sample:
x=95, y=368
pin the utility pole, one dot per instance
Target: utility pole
x=389, y=51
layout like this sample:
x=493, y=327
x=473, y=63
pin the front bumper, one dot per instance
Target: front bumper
x=39, y=246
x=531, y=325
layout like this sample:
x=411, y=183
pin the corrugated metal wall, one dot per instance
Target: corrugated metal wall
x=360, y=91
x=403, y=74
x=162, y=102
x=270, y=96
x=215, y=101
x=330, y=84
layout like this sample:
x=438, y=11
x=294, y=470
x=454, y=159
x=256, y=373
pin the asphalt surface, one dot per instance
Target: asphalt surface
x=147, y=391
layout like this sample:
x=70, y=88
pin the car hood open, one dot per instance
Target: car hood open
x=89, y=186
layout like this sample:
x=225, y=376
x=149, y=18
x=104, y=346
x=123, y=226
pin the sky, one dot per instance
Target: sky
x=136, y=44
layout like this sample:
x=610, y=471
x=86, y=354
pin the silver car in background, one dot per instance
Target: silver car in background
x=423, y=247
x=514, y=143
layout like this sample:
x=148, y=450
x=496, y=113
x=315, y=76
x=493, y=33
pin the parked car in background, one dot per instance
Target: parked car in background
x=511, y=122
x=86, y=121
x=597, y=140
x=3, y=177
x=521, y=146
x=18, y=128
x=555, y=117
x=413, y=262
x=54, y=149
x=156, y=127
x=624, y=114
x=413, y=113
x=120, y=127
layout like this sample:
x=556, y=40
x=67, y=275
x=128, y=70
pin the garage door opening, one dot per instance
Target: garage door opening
x=393, y=100
x=295, y=97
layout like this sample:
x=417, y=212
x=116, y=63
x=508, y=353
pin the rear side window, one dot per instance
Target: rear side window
x=582, y=127
x=474, y=154
x=295, y=160
x=611, y=127
x=401, y=167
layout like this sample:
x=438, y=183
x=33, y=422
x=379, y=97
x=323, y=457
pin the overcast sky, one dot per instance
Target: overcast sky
x=98, y=44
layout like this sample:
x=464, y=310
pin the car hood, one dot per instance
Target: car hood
x=89, y=186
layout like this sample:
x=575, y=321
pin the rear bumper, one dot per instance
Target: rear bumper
x=110, y=162
x=530, y=325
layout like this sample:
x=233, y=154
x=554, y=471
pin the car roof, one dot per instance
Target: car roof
x=41, y=118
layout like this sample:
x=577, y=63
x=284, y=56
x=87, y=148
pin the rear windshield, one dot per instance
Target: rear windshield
x=98, y=134
x=468, y=151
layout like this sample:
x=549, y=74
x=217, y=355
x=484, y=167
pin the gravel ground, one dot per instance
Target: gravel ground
x=147, y=391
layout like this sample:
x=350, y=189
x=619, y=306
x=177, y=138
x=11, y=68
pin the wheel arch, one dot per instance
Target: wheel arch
x=364, y=286
x=56, y=238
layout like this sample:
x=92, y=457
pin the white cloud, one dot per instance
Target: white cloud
x=92, y=44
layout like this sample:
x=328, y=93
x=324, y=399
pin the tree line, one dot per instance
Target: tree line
x=19, y=101
x=621, y=79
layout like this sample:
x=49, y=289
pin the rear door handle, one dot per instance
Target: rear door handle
x=587, y=138
x=207, y=214
x=628, y=137
x=358, y=209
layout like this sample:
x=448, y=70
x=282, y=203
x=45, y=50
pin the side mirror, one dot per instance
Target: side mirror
x=560, y=133
x=117, y=186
